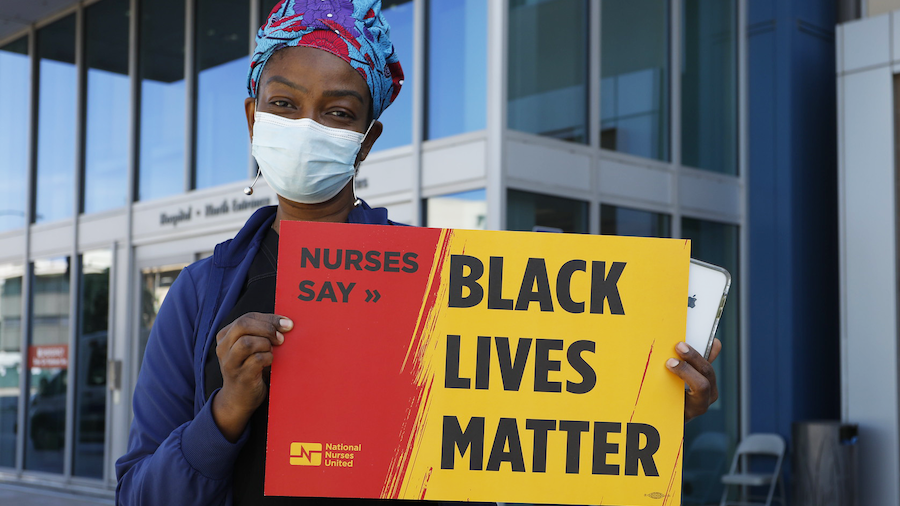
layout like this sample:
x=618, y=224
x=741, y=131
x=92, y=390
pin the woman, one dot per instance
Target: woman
x=322, y=73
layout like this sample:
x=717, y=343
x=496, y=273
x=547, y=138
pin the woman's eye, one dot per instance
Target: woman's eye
x=340, y=114
x=280, y=103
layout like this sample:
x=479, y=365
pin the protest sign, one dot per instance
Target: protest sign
x=471, y=365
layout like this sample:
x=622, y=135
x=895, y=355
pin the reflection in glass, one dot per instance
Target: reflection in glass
x=634, y=222
x=161, y=70
x=457, y=210
x=90, y=385
x=15, y=97
x=10, y=359
x=155, y=284
x=48, y=361
x=709, y=86
x=106, y=129
x=397, y=118
x=56, y=121
x=222, y=138
x=709, y=440
x=548, y=67
x=634, y=71
x=457, y=67
x=532, y=211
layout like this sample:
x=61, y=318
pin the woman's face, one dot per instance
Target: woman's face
x=303, y=82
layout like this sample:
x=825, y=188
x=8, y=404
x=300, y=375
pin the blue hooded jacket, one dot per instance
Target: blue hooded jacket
x=176, y=453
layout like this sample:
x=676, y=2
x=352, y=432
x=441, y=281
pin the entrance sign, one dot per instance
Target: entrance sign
x=484, y=366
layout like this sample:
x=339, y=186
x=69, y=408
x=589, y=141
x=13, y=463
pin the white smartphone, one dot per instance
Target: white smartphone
x=707, y=289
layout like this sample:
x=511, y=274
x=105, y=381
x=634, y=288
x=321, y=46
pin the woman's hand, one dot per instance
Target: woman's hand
x=699, y=376
x=244, y=349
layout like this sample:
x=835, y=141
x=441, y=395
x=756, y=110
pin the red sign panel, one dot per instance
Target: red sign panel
x=54, y=356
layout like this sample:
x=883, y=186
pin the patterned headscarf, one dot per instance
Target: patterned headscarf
x=353, y=30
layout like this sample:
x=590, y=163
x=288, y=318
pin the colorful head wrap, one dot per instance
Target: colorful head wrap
x=353, y=30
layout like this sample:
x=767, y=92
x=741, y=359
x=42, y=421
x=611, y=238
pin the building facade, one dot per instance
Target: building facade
x=124, y=151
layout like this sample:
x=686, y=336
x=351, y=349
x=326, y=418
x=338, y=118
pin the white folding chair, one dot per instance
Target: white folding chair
x=771, y=445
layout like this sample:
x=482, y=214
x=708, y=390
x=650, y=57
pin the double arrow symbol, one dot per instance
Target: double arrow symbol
x=369, y=296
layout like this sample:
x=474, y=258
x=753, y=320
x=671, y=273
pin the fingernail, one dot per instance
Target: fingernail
x=280, y=336
x=672, y=363
x=682, y=347
x=286, y=324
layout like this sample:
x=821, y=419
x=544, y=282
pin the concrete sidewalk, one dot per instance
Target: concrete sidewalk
x=19, y=495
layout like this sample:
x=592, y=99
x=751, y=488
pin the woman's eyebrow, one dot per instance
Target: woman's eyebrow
x=343, y=93
x=287, y=82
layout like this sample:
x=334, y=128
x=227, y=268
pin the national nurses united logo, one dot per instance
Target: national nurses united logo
x=306, y=454
x=335, y=454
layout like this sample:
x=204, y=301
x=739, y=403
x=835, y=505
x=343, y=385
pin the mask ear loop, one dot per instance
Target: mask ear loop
x=249, y=189
x=356, y=201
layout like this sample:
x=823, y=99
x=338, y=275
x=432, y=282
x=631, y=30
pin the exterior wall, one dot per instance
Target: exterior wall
x=867, y=61
x=879, y=7
x=793, y=350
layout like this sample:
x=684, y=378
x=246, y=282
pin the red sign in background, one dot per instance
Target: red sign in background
x=54, y=356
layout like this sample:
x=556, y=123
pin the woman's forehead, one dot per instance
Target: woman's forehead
x=311, y=68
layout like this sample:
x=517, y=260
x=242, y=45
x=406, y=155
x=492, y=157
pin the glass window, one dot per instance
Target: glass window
x=48, y=362
x=457, y=67
x=161, y=69
x=266, y=6
x=548, y=68
x=709, y=86
x=634, y=77
x=222, y=64
x=155, y=284
x=457, y=210
x=15, y=98
x=108, y=114
x=532, y=211
x=90, y=384
x=56, y=121
x=634, y=222
x=709, y=440
x=10, y=359
x=397, y=118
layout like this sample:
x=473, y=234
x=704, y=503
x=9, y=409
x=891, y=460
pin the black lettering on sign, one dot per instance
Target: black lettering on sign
x=564, y=286
x=483, y=363
x=307, y=256
x=336, y=262
x=588, y=375
x=373, y=261
x=391, y=261
x=511, y=371
x=507, y=436
x=507, y=445
x=459, y=279
x=543, y=365
x=306, y=292
x=495, y=286
x=409, y=259
x=573, y=429
x=602, y=447
x=451, y=366
x=540, y=428
x=472, y=439
x=353, y=259
x=605, y=287
x=327, y=292
x=634, y=453
x=535, y=272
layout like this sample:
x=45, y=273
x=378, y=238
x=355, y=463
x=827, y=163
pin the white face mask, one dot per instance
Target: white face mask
x=302, y=160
